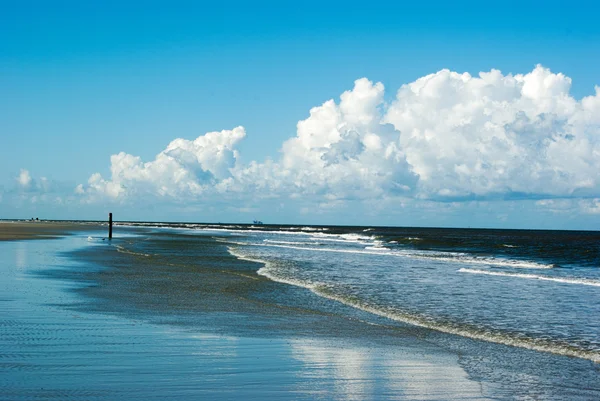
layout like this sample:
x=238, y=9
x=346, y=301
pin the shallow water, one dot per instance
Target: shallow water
x=52, y=346
x=165, y=313
x=532, y=289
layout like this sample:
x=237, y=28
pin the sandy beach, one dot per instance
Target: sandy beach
x=22, y=230
x=83, y=318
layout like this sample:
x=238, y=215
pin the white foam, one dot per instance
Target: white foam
x=337, y=250
x=127, y=251
x=270, y=241
x=513, y=263
x=242, y=256
x=256, y=231
x=321, y=289
x=453, y=257
x=308, y=229
x=339, y=240
x=566, y=280
x=377, y=248
x=226, y=228
x=270, y=271
x=344, y=238
x=315, y=234
x=355, y=237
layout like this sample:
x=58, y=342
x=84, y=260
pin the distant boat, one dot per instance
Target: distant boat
x=258, y=222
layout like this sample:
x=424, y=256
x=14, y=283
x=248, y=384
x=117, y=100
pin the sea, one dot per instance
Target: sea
x=528, y=289
x=259, y=311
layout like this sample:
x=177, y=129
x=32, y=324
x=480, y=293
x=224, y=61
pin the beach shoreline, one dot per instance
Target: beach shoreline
x=31, y=229
x=75, y=346
x=226, y=332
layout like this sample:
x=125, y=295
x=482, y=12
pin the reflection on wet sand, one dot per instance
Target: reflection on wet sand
x=21, y=255
x=51, y=351
x=358, y=373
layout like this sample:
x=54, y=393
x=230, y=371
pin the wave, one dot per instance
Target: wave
x=453, y=257
x=490, y=260
x=270, y=271
x=377, y=248
x=338, y=240
x=308, y=229
x=271, y=241
x=336, y=250
x=228, y=241
x=566, y=280
x=226, y=228
x=129, y=252
x=261, y=231
x=356, y=238
x=372, y=245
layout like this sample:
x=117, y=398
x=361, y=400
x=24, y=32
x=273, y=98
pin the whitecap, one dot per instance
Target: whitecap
x=566, y=280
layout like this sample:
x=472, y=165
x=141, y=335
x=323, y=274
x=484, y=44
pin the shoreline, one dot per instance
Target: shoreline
x=236, y=300
x=28, y=230
x=59, y=343
x=156, y=283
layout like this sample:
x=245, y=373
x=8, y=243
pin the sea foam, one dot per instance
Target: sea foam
x=566, y=280
x=270, y=271
x=453, y=257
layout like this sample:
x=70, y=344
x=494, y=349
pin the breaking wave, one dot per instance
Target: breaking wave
x=269, y=270
x=566, y=280
x=454, y=257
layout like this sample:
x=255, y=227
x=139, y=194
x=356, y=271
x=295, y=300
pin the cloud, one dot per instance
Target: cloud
x=29, y=191
x=341, y=151
x=444, y=137
x=27, y=184
x=590, y=206
x=571, y=206
x=497, y=134
x=184, y=169
x=24, y=179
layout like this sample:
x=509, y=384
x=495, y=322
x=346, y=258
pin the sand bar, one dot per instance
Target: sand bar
x=22, y=230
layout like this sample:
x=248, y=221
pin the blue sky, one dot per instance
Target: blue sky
x=82, y=82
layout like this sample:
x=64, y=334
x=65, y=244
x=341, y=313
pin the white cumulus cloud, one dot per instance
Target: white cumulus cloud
x=445, y=136
x=341, y=151
x=498, y=134
x=26, y=183
x=24, y=178
x=184, y=169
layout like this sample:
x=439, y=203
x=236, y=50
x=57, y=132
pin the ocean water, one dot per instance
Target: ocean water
x=538, y=290
x=198, y=311
x=82, y=318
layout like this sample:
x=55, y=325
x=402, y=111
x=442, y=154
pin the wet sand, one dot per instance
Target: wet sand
x=147, y=319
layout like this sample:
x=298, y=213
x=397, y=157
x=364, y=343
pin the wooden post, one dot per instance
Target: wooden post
x=110, y=226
